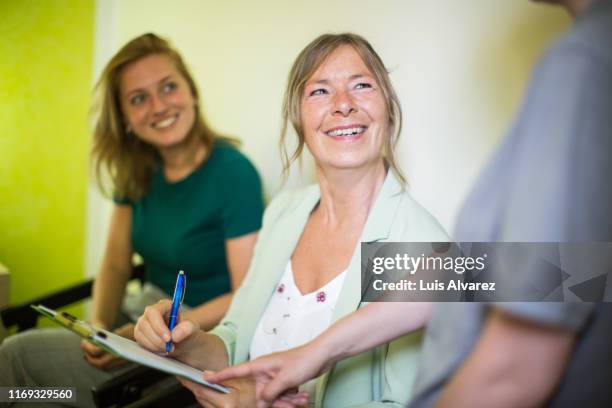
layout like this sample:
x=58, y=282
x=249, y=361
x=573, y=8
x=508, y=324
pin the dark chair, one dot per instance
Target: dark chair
x=24, y=317
x=138, y=386
x=143, y=387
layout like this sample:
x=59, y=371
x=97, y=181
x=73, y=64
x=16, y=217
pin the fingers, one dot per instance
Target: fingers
x=214, y=398
x=291, y=400
x=275, y=388
x=298, y=398
x=114, y=363
x=105, y=362
x=264, y=370
x=240, y=370
x=206, y=397
x=147, y=338
x=183, y=330
x=90, y=349
x=190, y=385
x=283, y=404
x=157, y=317
x=99, y=358
x=127, y=331
x=151, y=331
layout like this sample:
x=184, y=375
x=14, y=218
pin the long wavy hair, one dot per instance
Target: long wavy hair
x=307, y=63
x=118, y=156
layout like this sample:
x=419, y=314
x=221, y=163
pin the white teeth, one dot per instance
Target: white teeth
x=165, y=123
x=346, y=132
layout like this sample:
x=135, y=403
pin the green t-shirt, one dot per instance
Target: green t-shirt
x=184, y=225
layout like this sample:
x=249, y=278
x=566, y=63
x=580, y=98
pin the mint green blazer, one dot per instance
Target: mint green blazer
x=380, y=377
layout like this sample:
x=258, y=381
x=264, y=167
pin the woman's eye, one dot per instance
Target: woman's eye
x=363, y=85
x=137, y=99
x=319, y=91
x=169, y=87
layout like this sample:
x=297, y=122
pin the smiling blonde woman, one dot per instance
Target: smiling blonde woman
x=306, y=268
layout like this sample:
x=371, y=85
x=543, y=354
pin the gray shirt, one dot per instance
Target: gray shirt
x=550, y=181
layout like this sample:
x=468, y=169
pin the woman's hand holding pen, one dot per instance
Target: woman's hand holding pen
x=152, y=331
x=188, y=341
x=99, y=358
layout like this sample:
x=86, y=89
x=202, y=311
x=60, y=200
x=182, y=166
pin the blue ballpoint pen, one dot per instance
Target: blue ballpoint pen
x=177, y=300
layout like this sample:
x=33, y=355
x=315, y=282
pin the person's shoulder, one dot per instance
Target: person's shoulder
x=587, y=39
x=412, y=209
x=415, y=223
x=231, y=165
x=225, y=152
x=290, y=202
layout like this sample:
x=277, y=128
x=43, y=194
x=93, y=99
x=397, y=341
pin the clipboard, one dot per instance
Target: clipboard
x=126, y=348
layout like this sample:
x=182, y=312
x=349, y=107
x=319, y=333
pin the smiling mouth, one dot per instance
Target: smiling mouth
x=347, y=132
x=162, y=124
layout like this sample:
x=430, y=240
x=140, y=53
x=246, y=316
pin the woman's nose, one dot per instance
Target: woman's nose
x=158, y=105
x=344, y=104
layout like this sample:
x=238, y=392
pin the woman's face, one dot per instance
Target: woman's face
x=156, y=101
x=343, y=113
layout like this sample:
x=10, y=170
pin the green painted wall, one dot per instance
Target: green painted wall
x=46, y=47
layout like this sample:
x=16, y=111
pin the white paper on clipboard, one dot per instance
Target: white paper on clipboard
x=126, y=348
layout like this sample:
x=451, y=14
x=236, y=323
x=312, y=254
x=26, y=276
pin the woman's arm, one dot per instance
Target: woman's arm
x=370, y=326
x=239, y=253
x=516, y=363
x=116, y=269
x=109, y=286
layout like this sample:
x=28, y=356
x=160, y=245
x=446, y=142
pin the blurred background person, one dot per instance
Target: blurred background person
x=185, y=199
x=547, y=182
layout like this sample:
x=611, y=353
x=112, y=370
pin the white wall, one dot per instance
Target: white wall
x=458, y=67
x=106, y=38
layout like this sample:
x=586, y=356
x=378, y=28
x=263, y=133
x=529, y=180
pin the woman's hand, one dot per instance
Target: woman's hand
x=99, y=358
x=152, y=331
x=276, y=374
x=243, y=393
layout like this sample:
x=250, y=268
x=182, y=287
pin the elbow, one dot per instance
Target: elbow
x=516, y=387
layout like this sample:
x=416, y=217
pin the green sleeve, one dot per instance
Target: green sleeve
x=242, y=197
x=121, y=200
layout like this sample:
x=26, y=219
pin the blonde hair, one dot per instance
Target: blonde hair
x=117, y=152
x=306, y=63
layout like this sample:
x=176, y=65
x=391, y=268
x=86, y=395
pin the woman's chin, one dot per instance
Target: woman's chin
x=348, y=164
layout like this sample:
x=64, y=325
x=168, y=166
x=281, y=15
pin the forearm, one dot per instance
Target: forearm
x=209, y=314
x=514, y=363
x=355, y=333
x=115, y=270
x=475, y=389
x=204, y=351
x=108, y=289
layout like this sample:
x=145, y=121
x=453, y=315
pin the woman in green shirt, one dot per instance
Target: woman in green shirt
x=184, y=199
x=188, y=199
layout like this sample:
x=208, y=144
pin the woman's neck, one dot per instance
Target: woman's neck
x=181, y=160
x=348, y=195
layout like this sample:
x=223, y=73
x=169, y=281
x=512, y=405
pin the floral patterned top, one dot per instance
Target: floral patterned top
x=292, y=319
